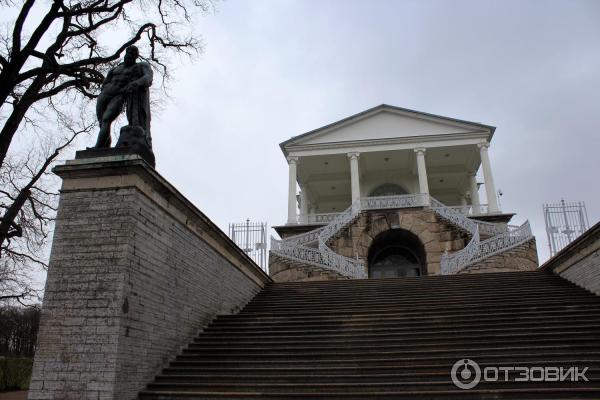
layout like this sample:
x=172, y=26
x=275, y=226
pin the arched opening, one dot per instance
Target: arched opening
x=396, y=253
x=387, y=189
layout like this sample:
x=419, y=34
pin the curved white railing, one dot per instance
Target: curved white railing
x=512, y=237
x=453, y=216
x=303, y=238
x=503, y=237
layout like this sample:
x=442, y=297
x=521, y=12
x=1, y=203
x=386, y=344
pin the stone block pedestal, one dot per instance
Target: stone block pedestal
x=135, y=272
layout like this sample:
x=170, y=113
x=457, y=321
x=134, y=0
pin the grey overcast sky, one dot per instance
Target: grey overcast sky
x=275, y=69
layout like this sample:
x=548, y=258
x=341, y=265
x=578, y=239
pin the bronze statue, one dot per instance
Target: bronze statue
x=127, y=85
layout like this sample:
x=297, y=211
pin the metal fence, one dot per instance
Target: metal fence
x=252, y=238
x=564, y=223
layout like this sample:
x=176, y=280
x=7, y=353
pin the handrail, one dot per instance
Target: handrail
x=513, y=237
x=503, y=237
x=303, y=238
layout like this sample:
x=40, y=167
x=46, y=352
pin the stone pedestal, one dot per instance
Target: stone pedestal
x=132, y=141
x=135, y=272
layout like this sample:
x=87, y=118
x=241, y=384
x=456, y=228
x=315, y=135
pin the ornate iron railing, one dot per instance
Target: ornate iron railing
x=314, y=256
x=303, y=238
x=503, y=237
x=512, y=237
x=402, y=201
x=453, y=216
x=480, y=209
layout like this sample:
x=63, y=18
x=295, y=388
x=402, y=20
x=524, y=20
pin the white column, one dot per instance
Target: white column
x=464, y=206
x=292, y=216
x=354, y=176
x=474, y=190
x=422, y=170
x=303, y=204
x=490, y=188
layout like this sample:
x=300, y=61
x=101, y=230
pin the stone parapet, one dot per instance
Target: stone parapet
x=136, y=270
x=579, y=262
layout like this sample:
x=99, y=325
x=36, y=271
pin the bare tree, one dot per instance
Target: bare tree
x=53, y=59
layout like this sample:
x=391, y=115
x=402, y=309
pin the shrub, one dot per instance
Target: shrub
x=15, y=373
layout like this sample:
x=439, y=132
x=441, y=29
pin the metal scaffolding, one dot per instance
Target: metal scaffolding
x=564, y=223
x=252, y=238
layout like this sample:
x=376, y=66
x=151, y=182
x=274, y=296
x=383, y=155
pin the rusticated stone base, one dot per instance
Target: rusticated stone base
x=355, y=240
x=435, y=235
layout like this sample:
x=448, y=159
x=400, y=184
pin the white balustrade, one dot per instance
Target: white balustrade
x=321, y=218
x=482, y=209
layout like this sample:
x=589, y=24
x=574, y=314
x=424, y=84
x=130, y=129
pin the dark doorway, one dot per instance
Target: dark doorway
x=396, y=253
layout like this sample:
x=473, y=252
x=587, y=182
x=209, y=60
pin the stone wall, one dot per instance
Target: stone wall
x=520, y=258
x=135, y=272
x=579, y=262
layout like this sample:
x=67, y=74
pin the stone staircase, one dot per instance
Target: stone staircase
x=392, y=339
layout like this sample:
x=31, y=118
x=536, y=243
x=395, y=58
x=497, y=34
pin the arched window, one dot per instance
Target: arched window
x=388, y=189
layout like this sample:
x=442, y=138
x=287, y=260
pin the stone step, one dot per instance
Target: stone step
x=400, y=326
x=408, y=317
x=460, y=351
x=389, y=334
x=463, y=311
x=277, y=377
x=415, y=359
x=425, y=368
x=353, y=387
x=480, y=305
x=429, y=280
x=479, y=394
x=399, y=292
x=211, y=347
x=424, y=339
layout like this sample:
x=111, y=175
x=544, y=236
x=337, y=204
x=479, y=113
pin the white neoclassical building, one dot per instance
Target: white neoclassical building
x=389, y=150
x=393, y=192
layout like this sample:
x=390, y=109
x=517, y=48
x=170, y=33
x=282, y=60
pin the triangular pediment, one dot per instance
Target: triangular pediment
x=386, y=122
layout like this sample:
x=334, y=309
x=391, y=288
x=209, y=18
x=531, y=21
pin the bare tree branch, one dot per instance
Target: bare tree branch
x=50, y=69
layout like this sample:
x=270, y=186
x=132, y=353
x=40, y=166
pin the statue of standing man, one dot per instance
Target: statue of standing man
x=126, y=85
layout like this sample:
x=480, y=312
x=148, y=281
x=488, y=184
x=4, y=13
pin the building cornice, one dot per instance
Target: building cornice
x=428, y=141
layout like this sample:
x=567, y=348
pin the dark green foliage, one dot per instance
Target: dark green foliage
x=15, y=373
